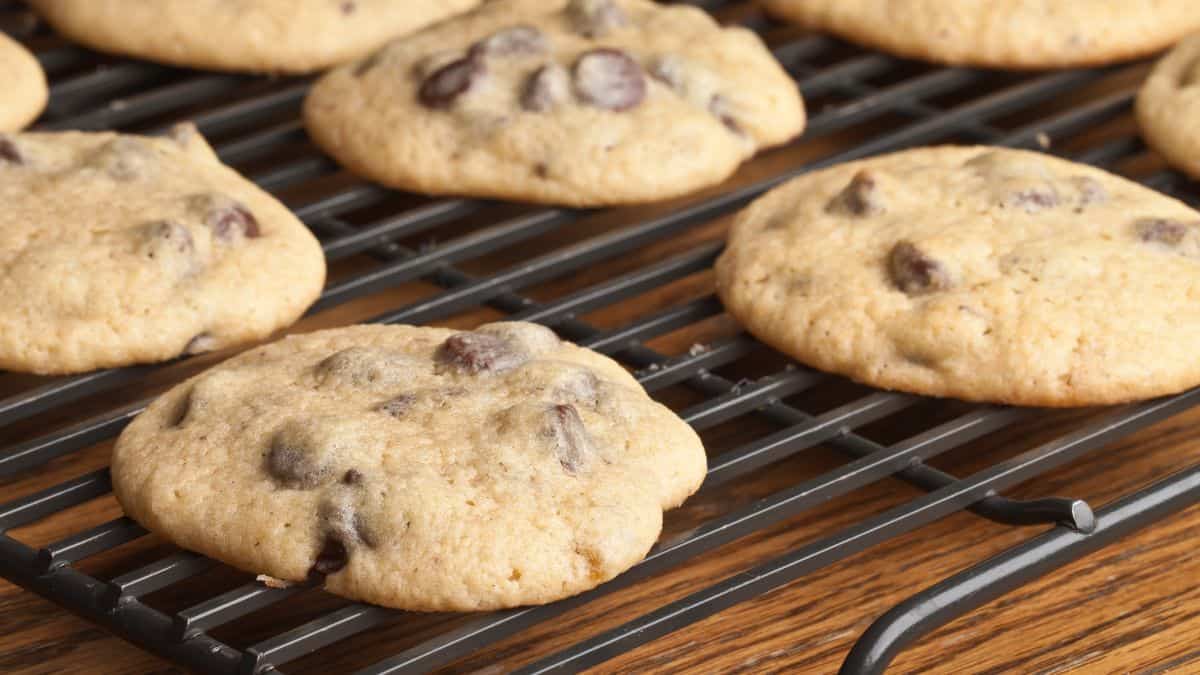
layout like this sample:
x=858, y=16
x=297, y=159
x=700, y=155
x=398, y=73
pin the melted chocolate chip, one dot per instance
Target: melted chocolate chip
x=481, y=352
x=9, y=154
x=521, y=40
x=448, y=83
x=596, y=18
x=609, y=79
x=1032, y=200
x=230, y=220
x=1161, y=230
x=294, y=461
x=861, y=197
x=547, y=88
x=572, y=444
x=352, y=477
x=914, y=272
x=201, y=344
x=722, y=109
x=332, y=558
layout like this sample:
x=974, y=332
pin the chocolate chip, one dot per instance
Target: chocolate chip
x=232, y=221
x=363, y=367
x=448, y=83
x=1091, y=191
x=914, y=272
x=609, y=79
x=596, y=18
x=547, y=88
x=397, y=407
x=481, y=352
x=521, y=40
x=1161, y=230
x=201, y=344
x=9, y=154
x=572, y=444
x=1033, y=199
x=861, y=197
x=348, y=6
x=352, y=477
x=296, y=460
x=332, y=558
x=722, y=109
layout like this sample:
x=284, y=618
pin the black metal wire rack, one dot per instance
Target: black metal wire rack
x=437, y=260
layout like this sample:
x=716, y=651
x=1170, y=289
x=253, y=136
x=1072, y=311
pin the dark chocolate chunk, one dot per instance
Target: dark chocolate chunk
x=914, y=272
x=520, y=40
x=9, y=154
x=1162, y=230
x=352, y=477
x=294, y=459
x=572, y=444
x=596, y=18
x=448, y=83
x=332, y=558
x=609, y=79
x=1032, y=200
x=547, y=88
x=861, y=197
x=481, y=352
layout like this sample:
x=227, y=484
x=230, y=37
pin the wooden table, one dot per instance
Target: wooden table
x=1134, y=607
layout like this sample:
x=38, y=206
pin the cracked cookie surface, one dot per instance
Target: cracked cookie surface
x=119, y=249
x=1168, y=107
x=1001, y=33
x=977, y=273
x=577, y=102
x=25, y=89
x=418, y=468
x=269, y=36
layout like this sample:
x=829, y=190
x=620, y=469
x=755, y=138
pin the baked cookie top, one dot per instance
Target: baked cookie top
x=578, y=102
x=24, y=89
x=976, y=273
x=1168, y=107
x=1001, y=33
x=273, y=36
x=418, y=468
x=120, y=249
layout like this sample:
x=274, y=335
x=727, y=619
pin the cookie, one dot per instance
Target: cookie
x=576, y=102
x=1168, y=107
x=272, y=36
x=120, y=249
x=977, y=273
x=1001, y=33
x=418, y=468
x=24, y=90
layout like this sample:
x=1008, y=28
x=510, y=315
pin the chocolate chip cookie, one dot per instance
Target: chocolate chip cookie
x=978, y=273
x=418, y=468
x=120, y=249
x=1168, y=107
x=577, y=102
x=23, y=94
x=1001, y=33
x=273, y=36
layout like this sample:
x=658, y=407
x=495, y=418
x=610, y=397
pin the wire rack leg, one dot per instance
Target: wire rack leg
x=920, y=614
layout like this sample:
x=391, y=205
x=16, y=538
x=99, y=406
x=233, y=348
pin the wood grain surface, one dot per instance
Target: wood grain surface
x=1133, y=607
